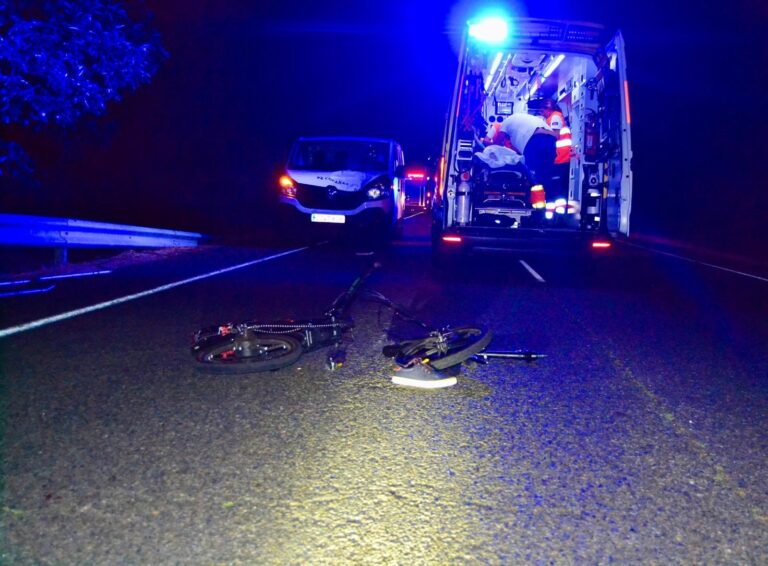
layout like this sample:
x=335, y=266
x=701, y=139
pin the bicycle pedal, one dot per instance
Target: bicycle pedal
x=335, y=360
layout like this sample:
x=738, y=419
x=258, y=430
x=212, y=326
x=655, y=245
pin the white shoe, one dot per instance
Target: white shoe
x=422, y=376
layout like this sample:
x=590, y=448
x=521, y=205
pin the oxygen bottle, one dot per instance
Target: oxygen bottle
x=463, y=199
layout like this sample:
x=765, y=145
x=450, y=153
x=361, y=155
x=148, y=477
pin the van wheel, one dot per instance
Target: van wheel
x=444, y=259
x=397, y=230
x=287, y=226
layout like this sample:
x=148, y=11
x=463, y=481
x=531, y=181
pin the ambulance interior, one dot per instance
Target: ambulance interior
x=498, y=83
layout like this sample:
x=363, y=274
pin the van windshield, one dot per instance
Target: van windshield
x=340, y=155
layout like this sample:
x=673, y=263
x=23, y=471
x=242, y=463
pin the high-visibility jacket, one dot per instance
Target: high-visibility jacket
x=556, y=121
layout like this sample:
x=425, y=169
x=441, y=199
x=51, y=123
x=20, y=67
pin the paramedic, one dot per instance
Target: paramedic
x=535, y=140
x=563, y=147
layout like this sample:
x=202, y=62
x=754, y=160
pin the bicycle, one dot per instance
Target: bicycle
x=254, y=346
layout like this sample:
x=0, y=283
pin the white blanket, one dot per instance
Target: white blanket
x=496, y=156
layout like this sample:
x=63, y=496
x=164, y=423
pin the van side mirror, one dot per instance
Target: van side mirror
x=400, y=171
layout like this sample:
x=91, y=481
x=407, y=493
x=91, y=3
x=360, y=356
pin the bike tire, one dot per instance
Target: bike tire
x=237, y=353
x=461, y=344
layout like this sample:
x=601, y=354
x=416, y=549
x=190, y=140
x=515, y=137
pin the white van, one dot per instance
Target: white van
x=511, y=66
x=346, y=181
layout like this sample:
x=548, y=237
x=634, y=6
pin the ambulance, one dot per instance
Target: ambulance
x=485, y=198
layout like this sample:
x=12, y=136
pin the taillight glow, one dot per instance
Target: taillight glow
x=601, y=245
x=440, y=175
x=465, y=176
x=626, y=102
x=452, y=239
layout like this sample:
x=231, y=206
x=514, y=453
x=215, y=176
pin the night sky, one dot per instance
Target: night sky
x=200, y=147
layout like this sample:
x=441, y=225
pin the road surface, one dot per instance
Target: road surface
x=640, y=439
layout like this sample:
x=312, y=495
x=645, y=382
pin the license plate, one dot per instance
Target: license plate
x=330, y=218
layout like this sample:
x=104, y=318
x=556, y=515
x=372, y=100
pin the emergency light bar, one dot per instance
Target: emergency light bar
x=493, y=30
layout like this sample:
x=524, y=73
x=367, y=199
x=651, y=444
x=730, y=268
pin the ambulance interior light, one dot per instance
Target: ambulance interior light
x=492, y=71
x=552, y=66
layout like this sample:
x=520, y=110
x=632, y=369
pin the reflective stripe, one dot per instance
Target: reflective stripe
x=564, y=143
x=565, y=130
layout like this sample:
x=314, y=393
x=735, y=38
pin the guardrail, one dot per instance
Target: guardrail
x=64, y=233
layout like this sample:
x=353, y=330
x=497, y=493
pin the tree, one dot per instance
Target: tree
x=61, y=59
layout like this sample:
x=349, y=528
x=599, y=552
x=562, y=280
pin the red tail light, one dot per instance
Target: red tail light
x=452, y=239
x=601, y=245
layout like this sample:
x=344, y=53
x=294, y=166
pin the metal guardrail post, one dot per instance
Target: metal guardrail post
x=60, y=255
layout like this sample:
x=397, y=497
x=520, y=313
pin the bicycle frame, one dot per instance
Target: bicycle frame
x=312, y=334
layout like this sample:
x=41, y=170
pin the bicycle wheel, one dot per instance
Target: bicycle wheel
x=444, y=349
x=240, y=353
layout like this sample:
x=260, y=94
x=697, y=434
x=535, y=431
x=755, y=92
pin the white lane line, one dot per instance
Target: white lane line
x=712, y=265
x=77, y=312
x=532, y=271
x=413, y=215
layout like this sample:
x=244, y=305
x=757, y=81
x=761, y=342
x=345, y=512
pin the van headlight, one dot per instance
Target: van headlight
x=378, y=190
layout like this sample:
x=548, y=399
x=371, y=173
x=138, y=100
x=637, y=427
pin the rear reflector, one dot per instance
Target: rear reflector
x=452, y=239
x=601, y=245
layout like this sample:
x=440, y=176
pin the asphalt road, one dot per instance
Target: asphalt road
x=640, y=439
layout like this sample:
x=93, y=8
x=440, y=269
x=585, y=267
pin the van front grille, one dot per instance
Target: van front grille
x=328, y=199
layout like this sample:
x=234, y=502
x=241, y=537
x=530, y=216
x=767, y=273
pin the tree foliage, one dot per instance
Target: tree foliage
x=61, y=59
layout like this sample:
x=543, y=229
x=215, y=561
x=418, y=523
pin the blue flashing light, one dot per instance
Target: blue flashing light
x=493, y=30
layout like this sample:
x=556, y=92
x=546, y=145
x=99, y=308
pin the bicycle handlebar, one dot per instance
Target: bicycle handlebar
x=345, y=299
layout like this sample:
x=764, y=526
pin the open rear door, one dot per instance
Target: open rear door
x=615, y=136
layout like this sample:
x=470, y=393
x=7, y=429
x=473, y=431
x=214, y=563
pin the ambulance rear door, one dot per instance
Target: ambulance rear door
x=615, y=139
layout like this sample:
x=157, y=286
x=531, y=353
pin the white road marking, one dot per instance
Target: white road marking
x=77, y=312
x=712, y=265
x=532, y=271
x=413, y=215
